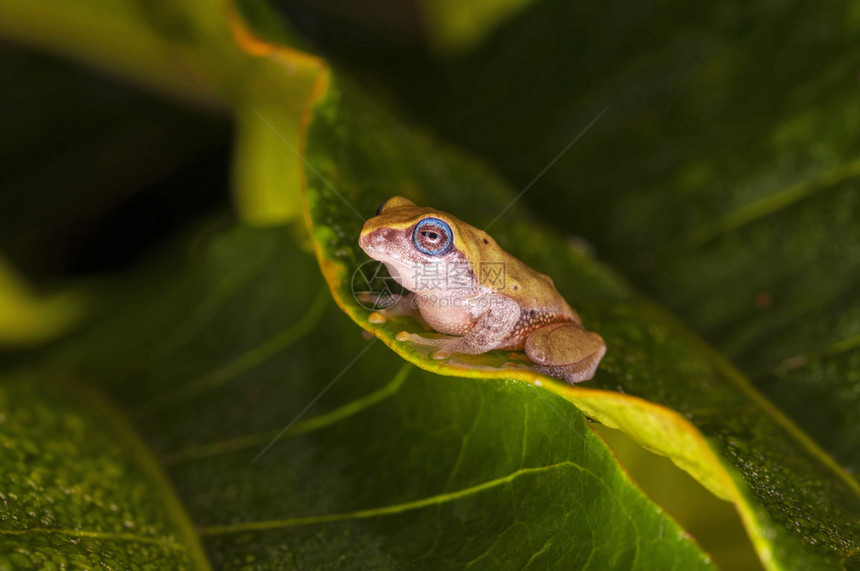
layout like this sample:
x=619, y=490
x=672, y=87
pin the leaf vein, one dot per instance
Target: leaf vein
x=387, y=510
x=246, y=361
x=316, y=423
x=129, y=537
x=768, y=205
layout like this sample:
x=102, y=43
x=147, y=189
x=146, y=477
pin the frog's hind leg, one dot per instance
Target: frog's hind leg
x=487, y=334
x=565, y=351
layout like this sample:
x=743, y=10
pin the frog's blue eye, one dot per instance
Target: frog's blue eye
x=433, y=237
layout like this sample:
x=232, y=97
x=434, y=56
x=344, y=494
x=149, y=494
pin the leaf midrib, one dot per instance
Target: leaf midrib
x=316, y=423
x=392, y=509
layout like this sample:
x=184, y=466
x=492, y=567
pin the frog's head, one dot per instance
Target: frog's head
x=414, y=241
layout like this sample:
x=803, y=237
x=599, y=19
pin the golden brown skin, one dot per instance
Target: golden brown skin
x=464, y=285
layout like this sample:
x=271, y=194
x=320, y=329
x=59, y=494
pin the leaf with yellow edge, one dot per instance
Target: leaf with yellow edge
x=279, y=82
x=658, y=382
x=723, y=181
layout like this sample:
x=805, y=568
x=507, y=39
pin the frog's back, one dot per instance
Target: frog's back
x=535, y=292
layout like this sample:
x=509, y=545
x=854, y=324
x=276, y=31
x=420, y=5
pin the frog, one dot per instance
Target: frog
x=461, y=284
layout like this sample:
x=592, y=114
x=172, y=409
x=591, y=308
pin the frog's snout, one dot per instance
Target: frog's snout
x=377, y=236
x=374, y=239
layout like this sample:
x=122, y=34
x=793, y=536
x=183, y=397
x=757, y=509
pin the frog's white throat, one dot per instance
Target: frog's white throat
x=407, y=275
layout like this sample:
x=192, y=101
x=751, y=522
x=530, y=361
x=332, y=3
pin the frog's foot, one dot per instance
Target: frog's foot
x=389, y=305
x=442, y=342
x=565, y=351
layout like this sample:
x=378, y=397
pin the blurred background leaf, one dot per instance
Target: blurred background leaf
x=84, y=158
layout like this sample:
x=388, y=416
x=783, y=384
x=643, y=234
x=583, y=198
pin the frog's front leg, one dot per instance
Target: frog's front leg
x=394, y=305
x=491, y=330
x=565, y=351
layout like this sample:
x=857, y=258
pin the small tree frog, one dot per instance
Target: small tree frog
x=464, y=285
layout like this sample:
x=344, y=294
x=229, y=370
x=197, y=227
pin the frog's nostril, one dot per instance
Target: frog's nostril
x=386, y=233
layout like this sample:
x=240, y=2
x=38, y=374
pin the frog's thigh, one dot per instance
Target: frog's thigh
x=566, y=351
x=494, y=326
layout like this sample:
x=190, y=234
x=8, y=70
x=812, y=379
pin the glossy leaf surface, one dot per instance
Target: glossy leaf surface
x=295, y=442
x=721, y=177
x=79, y=489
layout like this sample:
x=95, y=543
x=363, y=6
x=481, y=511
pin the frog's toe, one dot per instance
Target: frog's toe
x=377, y=317
x=441, y=354
x=406, y=336
x=415, y=338
x=443, y=343
x=539, y=356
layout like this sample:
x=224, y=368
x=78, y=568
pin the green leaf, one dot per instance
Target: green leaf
x=297, y=443
x=79, y=489
x=722, y=180
x=699, y=411
x=409, y=466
